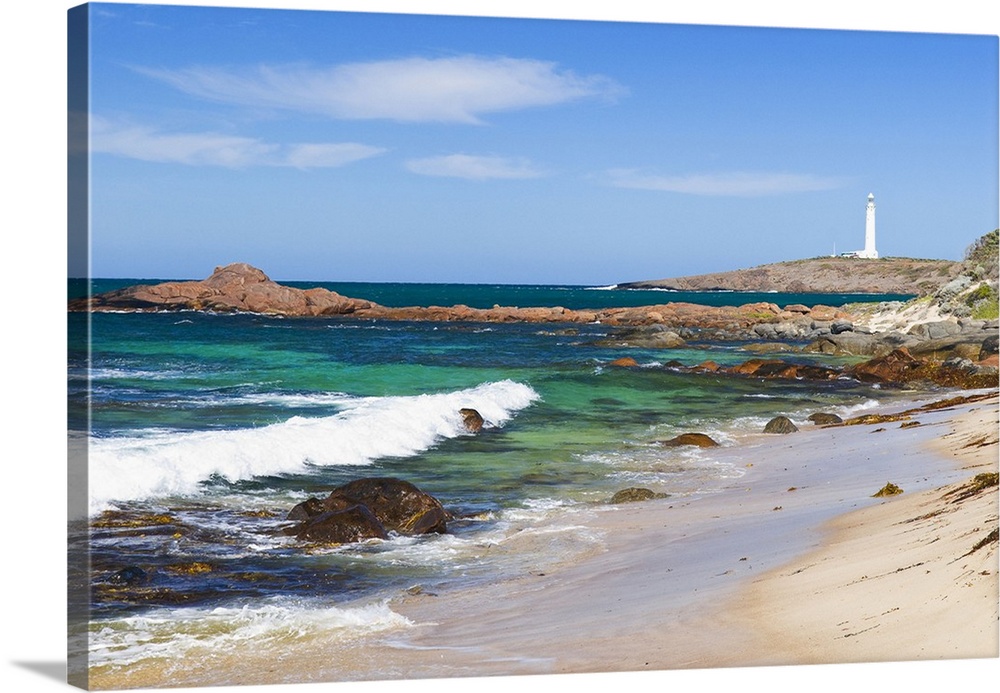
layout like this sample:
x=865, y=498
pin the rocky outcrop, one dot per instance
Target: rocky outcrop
x=237, y=287
x=366, y=509
x=761, y=327
x=900, y=367
x=938, y=340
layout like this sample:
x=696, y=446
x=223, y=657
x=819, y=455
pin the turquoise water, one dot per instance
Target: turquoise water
x=206, y=429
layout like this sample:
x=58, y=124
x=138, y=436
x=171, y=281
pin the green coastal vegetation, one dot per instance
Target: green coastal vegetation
x=981, y=264
x=972, y=292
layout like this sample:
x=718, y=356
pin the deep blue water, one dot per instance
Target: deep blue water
x=572, y=297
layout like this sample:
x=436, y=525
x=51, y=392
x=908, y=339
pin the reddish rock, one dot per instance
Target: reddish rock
x=898, y=366
x=237, y=287
x=823, y=313
x=752, y=366
x=624, y=362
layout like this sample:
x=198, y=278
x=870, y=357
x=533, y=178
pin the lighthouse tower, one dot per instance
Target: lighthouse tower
x=869, y=251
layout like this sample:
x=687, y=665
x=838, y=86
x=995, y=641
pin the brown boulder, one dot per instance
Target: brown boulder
x=472, y=419
x=354, y=523
x=697, y=439
x=394, y=504
x=306, y=509
x=398, y=504
x=824, y=419
x=780, y=424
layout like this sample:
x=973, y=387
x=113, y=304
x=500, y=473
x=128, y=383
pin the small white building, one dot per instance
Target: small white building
x=869, y=252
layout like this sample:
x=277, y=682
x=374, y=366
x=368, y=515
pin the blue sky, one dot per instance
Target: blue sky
x=377, y=147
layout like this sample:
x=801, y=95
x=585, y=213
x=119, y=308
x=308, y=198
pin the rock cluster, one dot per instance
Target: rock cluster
x=964, y=348
x=940, y=340
x=897, y=368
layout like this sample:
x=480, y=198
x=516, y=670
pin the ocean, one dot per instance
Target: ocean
x=204, y=430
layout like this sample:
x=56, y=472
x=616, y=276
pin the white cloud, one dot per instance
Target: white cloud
x=327, y=155
x=738, y=184
x=475, y=167
x=454, y=89
x=215, y=149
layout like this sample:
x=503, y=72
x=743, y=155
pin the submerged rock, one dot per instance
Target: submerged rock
x=697, y=439
x=132, y=575
x=632, y=495
x=352, y=524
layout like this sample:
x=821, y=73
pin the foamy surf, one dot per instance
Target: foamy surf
x=176, y=633
x=161, y=464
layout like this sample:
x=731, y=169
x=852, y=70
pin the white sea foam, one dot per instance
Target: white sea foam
x=368, y=428
x=177, y=632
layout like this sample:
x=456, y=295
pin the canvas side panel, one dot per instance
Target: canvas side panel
x=78, y=347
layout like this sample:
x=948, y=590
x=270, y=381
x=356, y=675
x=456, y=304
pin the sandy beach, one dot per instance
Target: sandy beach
x=713, y=582
x=793, y=563
x=912, y=578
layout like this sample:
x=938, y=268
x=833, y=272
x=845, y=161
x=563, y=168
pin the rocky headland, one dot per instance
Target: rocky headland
x=820, y=275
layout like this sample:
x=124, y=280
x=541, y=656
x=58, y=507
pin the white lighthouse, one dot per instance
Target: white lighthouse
x=869, y=252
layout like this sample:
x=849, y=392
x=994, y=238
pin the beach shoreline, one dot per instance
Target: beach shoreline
x=927, y=558
x=694, y=584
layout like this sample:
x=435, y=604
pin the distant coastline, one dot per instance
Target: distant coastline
x=820, y=275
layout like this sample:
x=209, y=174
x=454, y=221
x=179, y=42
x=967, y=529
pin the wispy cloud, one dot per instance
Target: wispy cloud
x=458, y=89
x=216, y=149
x=474, y=167
x=737, y=184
